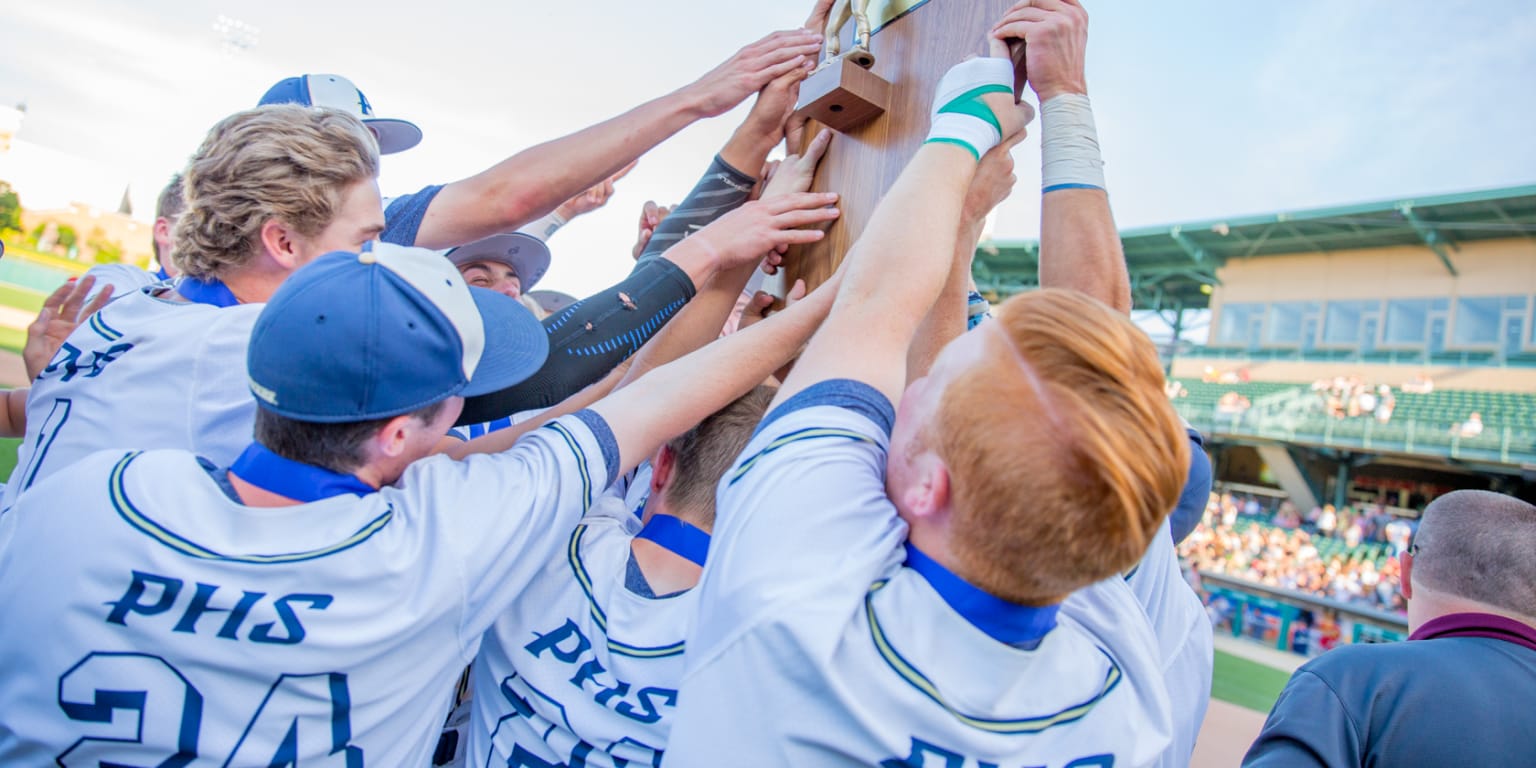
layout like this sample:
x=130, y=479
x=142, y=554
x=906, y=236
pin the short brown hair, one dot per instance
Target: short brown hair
x=170, y=203
x=282, y=161
x=704, y=453
x=1063, y=452
x=334, y=446
x=1479, y=545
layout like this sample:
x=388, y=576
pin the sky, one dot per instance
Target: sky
x=1205, y=108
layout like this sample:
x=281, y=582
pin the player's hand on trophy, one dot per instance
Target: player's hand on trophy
x=760, y=306
x=775, y=106
x=1055, y=33
x=594, y=198
x=62, y=312
x=744, y=235
x=796, y=172
x=752, y=68
x=651, y=216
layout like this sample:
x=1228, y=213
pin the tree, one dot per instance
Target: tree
x=10, y=209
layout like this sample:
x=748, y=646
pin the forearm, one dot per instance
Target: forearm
x=15, y=413
x=706, y=380
x=723, y=188
x=587, y=339
x=1079, y=246
x=503, y=439
x=535, y=181
x=900, y=261
x=697, y=325
x=946, y=320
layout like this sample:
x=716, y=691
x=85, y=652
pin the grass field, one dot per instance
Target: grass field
x=8, y=455
x=1247, y=683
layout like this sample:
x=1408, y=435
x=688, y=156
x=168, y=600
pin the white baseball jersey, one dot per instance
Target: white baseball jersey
x=143, y=373
x=1184, y=641
x=148, y=615
x=124, y=278
x=581, y=670
x=815, y=646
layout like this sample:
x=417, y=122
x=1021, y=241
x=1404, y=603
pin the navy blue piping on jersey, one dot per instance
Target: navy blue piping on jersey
x=1021, y=626
x=291, y=479
x=677, y=536
x=849, y=394
x=603, y=434
x=212, y=291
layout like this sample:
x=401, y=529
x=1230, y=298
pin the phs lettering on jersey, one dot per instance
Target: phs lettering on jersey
x=69, y=357
x=149, y=595
x=567, y=644
x=925, y=755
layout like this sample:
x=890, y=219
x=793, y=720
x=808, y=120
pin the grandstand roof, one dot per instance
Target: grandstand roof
x=1174, y=266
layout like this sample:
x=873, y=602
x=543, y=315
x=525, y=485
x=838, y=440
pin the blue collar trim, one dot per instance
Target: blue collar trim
x=211, y=291
x=294, y=480
x=677, y=537
x=1011, y=623
x=161, y=274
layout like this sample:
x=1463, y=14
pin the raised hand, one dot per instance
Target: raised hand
x=992, y=183
x=796, y=172
x=744, y=235
x=1055, y=33
x=651, y=216
x=62, y=312
x=595, y=197
x=752, y=68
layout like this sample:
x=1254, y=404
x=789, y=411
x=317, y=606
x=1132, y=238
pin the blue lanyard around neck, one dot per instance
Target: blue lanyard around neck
x=1011, y=623
x=675, y=536
x=294, y=480
x=211, y=291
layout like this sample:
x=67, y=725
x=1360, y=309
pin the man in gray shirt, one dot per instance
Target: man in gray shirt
x=1462, y=690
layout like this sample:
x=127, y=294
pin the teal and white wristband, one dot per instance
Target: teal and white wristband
x=960, y=116
x=1069, y=145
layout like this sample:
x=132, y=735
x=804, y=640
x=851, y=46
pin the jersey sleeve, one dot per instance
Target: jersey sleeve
x=1309, y=726
x=502, y=517
x=221, y=409
x=802, y=511
x=403, y=215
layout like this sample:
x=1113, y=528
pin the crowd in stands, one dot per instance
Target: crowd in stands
x=1350, y=397
x=1342, y=554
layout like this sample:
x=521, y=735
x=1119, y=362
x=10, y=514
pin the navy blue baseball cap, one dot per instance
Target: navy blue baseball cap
x=353, y=337
x=337, y=92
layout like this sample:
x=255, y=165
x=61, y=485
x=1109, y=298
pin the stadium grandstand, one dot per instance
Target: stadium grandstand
x=1379, y=353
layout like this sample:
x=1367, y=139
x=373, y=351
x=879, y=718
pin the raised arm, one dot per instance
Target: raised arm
x=946, y=320
x=531, y=183
x=898, y=266
x=1079, y=246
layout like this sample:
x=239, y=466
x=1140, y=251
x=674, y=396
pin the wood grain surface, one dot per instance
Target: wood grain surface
x=912, y=53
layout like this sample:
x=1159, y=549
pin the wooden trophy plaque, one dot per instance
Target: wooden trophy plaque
x=914, y=42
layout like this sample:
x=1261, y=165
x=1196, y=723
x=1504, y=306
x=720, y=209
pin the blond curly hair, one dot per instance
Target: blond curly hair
x=285, y=162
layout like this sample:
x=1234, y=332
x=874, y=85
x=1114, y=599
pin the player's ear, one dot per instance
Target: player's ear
x=928, y=495
x=1405, y=578
x=393, y=438
x=663, y=464
x=280, y=243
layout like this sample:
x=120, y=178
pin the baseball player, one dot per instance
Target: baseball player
x=307, y=603
x=942, y=584
x=162, y=368
x=612, y=607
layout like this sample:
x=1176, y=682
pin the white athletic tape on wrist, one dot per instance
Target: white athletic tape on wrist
x=1069, y=145
x=545, y=227
x=959, y=116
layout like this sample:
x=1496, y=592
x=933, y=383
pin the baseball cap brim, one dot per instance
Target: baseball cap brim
x=394, y=135
x=527, y=255
x=516, y=344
